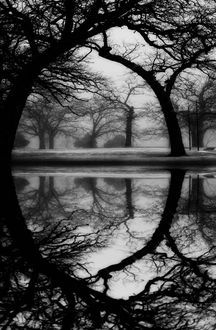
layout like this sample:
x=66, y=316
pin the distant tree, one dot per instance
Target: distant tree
x=194, y=101
x=20, y=141
x=195, y=104
x=47, y=119
x=124, y=105
x=203, y=112
x=156, y=126
x=100, y=118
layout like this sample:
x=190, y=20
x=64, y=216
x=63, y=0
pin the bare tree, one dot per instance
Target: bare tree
x=123, y=100
x=170, y=44
x=100, y=118
x=39, y=40
x=194, y=99
x=46, y=119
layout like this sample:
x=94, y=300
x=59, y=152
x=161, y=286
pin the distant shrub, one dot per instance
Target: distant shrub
x=116, y=142
x=20, y=141
x=85, y=142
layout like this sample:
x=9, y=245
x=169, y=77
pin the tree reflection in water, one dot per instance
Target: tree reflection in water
x=46, y=281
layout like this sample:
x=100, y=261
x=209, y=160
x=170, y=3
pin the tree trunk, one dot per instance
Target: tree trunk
x=51, y=141
x=197, y=138
x=174, y=131
x=197, y=133
x=201, y=133
x=128, y=129
x=194, y=135
x=93, y=142
x=42, y=140
x=12, y=109
x=189, y=132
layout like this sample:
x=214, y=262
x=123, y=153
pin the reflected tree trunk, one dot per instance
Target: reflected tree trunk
x=194, y=194
x=11, y=212
x=46, y=189
x=128, y=198
x=203, y=207
x=51, y=184
x=41, y=190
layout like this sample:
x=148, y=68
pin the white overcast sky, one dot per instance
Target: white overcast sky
x=117, y=36
x=118, y=73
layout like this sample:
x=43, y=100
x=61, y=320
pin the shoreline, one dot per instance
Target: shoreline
x=113, y=157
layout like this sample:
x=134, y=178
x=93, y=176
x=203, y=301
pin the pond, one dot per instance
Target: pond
x=109, y=248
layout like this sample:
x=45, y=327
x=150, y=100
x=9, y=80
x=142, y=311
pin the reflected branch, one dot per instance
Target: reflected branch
x=77, y=291
x=177, y=178
x=48, y=281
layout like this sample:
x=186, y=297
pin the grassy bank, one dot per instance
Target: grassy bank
x=117, y=156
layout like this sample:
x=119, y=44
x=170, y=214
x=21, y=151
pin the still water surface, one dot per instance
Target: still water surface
x=129, y=249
